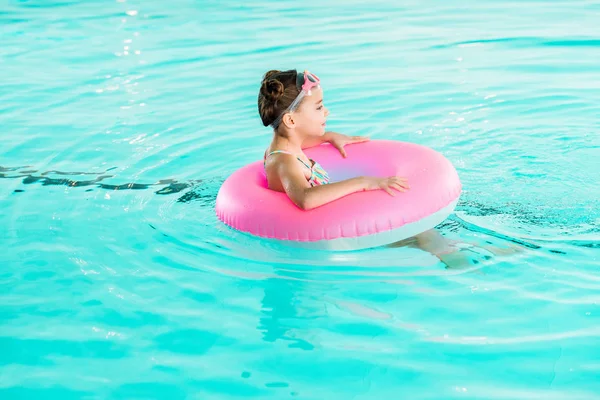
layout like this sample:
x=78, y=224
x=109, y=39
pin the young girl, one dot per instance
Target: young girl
x=292, y=104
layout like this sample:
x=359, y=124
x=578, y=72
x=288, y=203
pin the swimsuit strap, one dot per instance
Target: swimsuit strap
x=318, y=176
x=277, y=152
x=287, y=152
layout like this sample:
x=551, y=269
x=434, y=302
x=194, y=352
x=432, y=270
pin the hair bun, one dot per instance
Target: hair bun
x=272, y=89
x=277, y=91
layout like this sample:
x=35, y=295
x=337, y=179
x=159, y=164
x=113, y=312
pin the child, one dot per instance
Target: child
x=292, y=103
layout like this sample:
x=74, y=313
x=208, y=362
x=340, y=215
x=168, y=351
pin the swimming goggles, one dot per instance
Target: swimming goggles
x=305, y=81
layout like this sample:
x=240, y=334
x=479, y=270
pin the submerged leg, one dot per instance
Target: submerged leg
x=453, y=253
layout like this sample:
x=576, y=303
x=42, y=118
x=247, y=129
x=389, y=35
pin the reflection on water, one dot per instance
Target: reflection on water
x=284, y=304
x=29, y=176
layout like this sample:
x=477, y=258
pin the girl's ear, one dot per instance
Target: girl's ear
x=288, y=121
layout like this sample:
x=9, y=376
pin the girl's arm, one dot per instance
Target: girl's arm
x=306, y=197
x=337, y=140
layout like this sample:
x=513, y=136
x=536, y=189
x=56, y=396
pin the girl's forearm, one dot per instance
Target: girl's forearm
x=318, y=195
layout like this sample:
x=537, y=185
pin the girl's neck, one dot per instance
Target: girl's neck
x=292, y=144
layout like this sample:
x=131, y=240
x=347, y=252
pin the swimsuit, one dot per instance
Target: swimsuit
x=318, y=176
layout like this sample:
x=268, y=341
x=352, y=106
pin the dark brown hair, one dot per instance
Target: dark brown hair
x=277, y=91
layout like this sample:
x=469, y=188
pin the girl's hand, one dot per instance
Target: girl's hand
x=387, y=184
x=339, y=141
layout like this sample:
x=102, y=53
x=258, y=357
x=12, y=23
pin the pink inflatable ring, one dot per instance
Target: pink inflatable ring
x=360, y=220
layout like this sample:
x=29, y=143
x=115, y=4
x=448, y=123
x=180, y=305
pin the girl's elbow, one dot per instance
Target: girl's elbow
x=305, y=203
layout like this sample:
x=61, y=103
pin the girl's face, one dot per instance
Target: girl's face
x=312, y=114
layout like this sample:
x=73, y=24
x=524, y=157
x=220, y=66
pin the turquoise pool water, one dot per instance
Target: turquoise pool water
x=121, y=119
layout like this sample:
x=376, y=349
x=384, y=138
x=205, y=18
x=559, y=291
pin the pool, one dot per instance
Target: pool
x=120, y=121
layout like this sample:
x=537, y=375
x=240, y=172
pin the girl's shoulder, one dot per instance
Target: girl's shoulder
x=273, y=158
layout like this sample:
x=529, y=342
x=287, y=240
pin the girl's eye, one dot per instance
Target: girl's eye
x=320, y=108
